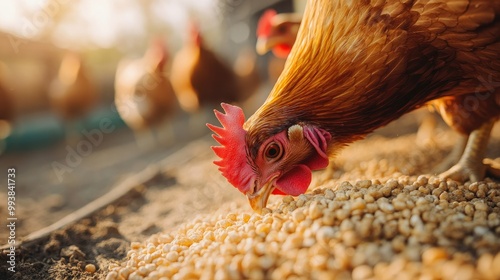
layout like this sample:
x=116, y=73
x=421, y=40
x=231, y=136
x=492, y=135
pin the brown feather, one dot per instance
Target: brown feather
x=6, y=104
x=200, y=78
x=144, y=96
x=356, y=67
x=73, y=94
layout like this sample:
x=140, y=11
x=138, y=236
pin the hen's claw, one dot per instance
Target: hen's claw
x=462, y=172
x=470, y=166
x=454, y=156
x=492, y=167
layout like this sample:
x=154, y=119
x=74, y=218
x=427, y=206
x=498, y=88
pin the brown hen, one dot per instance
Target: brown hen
x=200, y=78
x=72, y=93
x=6, y=109
x=144, y=96
x=356, y=66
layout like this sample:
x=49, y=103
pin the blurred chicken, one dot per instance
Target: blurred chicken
x=72, y=93
x=357, y=66
x=6, y=108
x=6, y=112
x=277, y=33
x=144, y=96
x=202, y=80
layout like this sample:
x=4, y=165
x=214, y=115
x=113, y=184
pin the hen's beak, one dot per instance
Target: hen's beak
x=258, y=200
x=264, y=45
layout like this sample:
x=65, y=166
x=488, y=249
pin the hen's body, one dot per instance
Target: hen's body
x=200, y=78
x=360, y=66
x=72, y=94
x=143, y=94
x=6, y=111
x=355, y=67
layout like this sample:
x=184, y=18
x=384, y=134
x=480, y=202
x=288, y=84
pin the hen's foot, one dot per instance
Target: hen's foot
x=492, y=167
x=426, y=131
x=470, y=166
x=454, y=156
x=462, y=172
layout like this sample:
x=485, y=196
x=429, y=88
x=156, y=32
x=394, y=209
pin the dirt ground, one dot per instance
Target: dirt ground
x=165, y=187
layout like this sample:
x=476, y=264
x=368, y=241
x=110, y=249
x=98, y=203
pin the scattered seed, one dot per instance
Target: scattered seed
x=90, y=268
x=433, y=255
x=406, y=228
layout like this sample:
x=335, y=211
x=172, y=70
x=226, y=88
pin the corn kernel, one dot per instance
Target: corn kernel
x=172, y=256
x=408, y=227
x=90, y=268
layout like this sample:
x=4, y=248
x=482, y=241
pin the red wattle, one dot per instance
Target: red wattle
x=282, y=50
x=294, y=182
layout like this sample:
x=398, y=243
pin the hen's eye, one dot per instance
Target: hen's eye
x=281, y=29
x=273, y=151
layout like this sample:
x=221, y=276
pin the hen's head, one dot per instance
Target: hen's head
x=195, y=33
x=282, y=164
x=157, y=55
x=277, y=32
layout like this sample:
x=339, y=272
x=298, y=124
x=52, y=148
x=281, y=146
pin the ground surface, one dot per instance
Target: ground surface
x=185, y=184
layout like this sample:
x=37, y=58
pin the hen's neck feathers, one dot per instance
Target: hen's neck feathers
x=355, y=67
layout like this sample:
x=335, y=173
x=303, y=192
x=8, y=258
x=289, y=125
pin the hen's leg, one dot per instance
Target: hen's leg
x=470, y=166
x=454, y=156
x=492, y=167
x=426, y=131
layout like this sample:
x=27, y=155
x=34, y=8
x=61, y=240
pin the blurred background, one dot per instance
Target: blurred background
x=36, y=35
x=90, y=93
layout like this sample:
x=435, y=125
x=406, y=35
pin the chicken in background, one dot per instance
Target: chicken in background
x=277, y=33
x=144, y=96
x=72, y=94
x=202, y=80
x=358, y=66
x=6, y=112
x=6, y=108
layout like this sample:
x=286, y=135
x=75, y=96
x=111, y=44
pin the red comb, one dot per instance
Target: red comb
x=233, y=163
x=157, y=53
x=264, y=26
x=195, y=33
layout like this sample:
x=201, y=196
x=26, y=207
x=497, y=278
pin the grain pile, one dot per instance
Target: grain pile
x=409, y=227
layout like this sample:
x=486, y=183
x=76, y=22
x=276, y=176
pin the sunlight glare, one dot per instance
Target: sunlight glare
x=84, y=23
